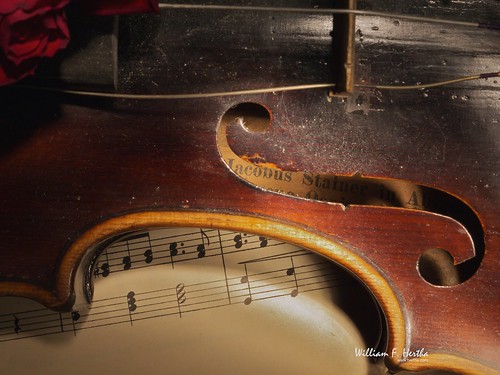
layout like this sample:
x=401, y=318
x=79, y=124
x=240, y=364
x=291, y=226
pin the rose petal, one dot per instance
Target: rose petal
x=4, y=32
x=9, y=73
x=62, y=25
x=54, y=45
x=29, y=30
x=29, y=8
x=19, y=52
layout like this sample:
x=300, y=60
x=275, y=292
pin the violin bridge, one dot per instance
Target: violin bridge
x=343, y=49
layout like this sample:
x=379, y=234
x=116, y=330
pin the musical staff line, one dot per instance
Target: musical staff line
x=141, y=250
x=178, y=300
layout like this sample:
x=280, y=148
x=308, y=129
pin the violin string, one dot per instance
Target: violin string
x=182, y=96
x=255, y=91
x=284, y=88
x=429, y=85
x=329, y=11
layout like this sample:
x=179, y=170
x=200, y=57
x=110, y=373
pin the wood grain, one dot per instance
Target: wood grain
x=75, y=172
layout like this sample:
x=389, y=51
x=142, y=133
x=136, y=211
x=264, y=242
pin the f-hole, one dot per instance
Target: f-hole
x=434, y=267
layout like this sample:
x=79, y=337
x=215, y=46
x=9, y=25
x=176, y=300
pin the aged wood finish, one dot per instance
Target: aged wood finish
x=78, y=171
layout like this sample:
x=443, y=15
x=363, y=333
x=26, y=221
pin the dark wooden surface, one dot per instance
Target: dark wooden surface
x=69, y=163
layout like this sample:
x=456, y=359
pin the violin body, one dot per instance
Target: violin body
x=77, y=172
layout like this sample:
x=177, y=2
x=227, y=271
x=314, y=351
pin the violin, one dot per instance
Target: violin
x=363, y=135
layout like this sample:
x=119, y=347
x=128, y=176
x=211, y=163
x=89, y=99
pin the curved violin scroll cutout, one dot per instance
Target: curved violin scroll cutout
x=253, y=117
x=436, y=266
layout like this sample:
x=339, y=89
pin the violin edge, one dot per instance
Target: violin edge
x=83, y=251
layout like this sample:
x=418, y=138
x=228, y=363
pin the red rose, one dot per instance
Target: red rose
x=29, y=31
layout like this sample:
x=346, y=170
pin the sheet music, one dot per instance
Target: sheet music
x=187, y=300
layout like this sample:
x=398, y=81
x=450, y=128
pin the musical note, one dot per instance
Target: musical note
x=102, y=269
x=121, y=255
x=148, y=255
x=246, y=280
x=105, y=269
x=17, y=328
x=201, y=250
x=127, y=262
x=270, y=276
x=263, y=241
x=173, y=249
x=291, y=272
x=238, y=241
x=134, y=244
x=131, y=301
x=75, y=316
x=61, y=324
x=131, y=305
x=181, y=296
x=201, y=247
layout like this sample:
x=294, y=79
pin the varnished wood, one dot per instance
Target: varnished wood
x=75, y=172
